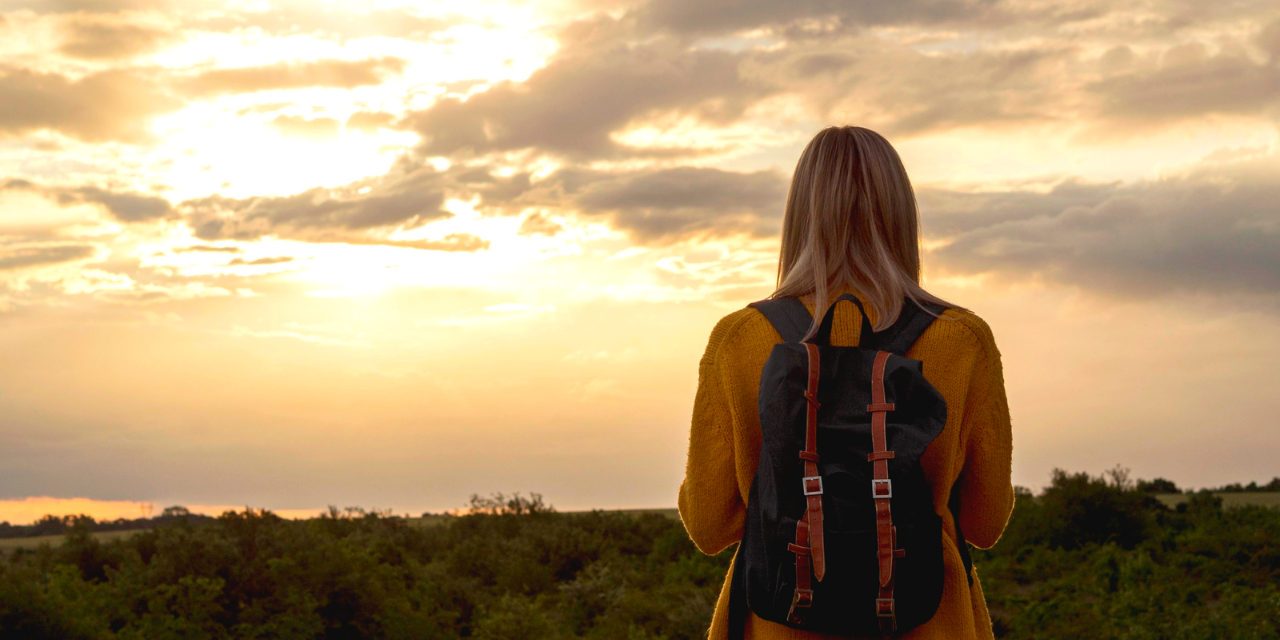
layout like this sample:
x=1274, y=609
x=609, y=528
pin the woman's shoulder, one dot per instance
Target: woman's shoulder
x=961, y=330
x=746, y=326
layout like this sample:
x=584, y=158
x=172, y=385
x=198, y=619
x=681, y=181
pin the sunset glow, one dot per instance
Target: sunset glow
x=289, y=254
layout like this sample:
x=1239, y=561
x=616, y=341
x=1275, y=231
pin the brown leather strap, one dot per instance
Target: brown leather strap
x=882, y=491
x=802, y=599
x=809, y=544
x=812, y=492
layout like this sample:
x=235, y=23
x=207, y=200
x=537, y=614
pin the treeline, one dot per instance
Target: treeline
x=1161, y=485
x=1088, y=557
x=514, y=569
x=51, y=525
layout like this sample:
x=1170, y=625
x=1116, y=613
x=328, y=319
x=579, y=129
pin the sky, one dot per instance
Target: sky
x=291, y=254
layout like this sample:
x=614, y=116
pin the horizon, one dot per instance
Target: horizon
x=27, y=508
x=297, y=253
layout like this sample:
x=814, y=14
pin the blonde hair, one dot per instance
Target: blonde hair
x=852, y=222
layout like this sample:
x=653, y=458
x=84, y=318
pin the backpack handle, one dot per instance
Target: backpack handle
x=823, y=337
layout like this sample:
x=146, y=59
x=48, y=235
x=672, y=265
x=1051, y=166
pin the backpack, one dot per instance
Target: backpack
x=841, y=535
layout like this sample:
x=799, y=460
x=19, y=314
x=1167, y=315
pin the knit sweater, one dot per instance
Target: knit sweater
x=975, y=449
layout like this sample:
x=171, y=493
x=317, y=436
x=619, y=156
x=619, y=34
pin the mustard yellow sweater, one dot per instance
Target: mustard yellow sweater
x=975, y=450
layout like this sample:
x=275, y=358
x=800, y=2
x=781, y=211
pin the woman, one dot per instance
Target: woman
x=851, y=226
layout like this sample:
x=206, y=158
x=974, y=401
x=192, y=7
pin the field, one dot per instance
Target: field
x=1086, y=558
x=1229, y=499
x=9, y=544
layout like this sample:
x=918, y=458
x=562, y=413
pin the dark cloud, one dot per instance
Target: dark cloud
x=102, y=39
x=720, y=16
x=1189, y=82
x=82, y=6
x=1212, y=232
x=344, y=74
x=902, y=91
x=595, y=86
x=948, y=213
x=1268, y=40
x=675, y=203
x=123, y=205
x=112, y=105
x=21, y=257
x=802, y=18
x=322, y=215
x=126, y=207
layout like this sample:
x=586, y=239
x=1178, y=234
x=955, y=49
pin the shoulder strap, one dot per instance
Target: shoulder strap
x=787, y=315
x=791, y=320
x=911, y=323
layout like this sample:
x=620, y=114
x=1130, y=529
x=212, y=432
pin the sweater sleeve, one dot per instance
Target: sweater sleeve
x=711, y=505
x=986, y=487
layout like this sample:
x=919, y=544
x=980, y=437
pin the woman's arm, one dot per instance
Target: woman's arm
x=986, y=487
x=710, y=504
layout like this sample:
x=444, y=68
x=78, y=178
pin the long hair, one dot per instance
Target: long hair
x=852, y=222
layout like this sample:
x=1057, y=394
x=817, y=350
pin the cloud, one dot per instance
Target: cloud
x=209, y=248
x=301, y=127
x=1212, y=231
x=260, y=261
x=115, y=105
x=123, y=205
x=370, y=121
x=323, y=215
x=88, y=38
x=340, y=21
x=85, y=6
x=24, y=256
x=343, y=74
x=720, y=16
x=675, y=203
x=126, y=207
x=1189, y=82
x=1268, y=39
x=539, y=224
x=903, y=90
x=463, y=242
x=595, y=86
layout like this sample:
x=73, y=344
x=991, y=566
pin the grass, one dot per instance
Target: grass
x=9, y=544
x=1263, y=499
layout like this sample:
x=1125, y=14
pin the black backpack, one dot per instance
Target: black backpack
x=841, y=535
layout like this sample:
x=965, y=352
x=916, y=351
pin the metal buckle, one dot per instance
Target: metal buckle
x=807, y=491
x=794, y=616
x=888, y=485
x=883, y=612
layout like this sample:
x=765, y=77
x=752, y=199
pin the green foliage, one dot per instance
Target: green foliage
x=1089, y=557
x=514, y=568
x=1078, y=509
x=1098, y=558
x=1158, y=485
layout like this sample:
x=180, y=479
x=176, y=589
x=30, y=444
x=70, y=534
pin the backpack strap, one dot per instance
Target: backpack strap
x=787, y=315
x=910, y=325
x=881, y=491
